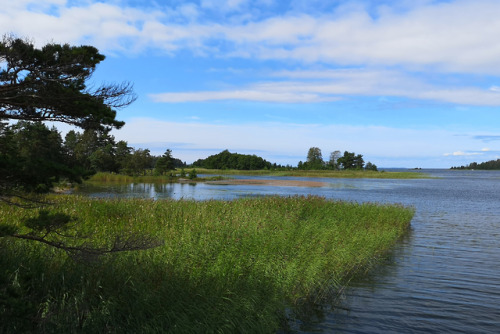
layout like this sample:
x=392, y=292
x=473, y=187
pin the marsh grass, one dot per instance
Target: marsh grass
x=354, y=174
x=225, y=266
x=103, y=177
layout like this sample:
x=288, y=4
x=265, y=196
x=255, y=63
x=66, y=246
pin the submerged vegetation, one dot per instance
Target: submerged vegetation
x=223, y=266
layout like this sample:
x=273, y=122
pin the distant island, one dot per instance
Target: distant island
x=488, y=165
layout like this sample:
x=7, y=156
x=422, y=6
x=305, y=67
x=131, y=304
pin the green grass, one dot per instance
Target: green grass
x=319, y=173
x=102, y=177
x=120, y=178
x=224, y=267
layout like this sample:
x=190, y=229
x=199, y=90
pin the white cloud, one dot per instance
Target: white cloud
x=101, y=24
x=458, y=36
x=452, y=36
x=189, y=11
x=461, y=153
x=245, y=95
x=331, y=85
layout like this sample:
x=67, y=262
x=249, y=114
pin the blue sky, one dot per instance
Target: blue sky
x=405, y=83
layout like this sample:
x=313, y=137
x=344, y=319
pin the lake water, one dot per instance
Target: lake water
x=444, y=277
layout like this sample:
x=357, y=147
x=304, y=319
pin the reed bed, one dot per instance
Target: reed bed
x=224, y=266
x=347, y=174
x=105, y=177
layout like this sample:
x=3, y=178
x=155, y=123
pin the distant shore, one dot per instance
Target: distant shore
x=221, y=176
x=347, y=174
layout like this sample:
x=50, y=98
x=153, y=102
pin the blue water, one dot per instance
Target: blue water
x=444, y=277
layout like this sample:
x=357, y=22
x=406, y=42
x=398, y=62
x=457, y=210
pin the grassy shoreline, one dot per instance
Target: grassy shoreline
x=222, y=174
x=348, y=174
x=121, y=178
x=225, y=266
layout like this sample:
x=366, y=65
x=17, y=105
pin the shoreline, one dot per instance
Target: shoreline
x=277, y=183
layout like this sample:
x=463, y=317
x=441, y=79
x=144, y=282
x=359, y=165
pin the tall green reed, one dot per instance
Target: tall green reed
x=225, y=266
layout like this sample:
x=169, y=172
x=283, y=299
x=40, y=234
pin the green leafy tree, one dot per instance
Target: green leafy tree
x=370, y=166
x=228, y=160
x=314, y=160
x=103, y=159
x=140, y=161
x=94, y=150
x=87, y=144
x=333, y=161
x=314, y=157
x=122, y=154
x=70, y=143
x=351, y=161
x=32, y=158
x=165, y=163
x=49, y=84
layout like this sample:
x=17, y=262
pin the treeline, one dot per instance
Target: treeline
x=35, y=156
x=487, y=165
x=336, y=161
x=228, y=160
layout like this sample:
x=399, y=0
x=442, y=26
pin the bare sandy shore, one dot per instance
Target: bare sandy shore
x=280, y=183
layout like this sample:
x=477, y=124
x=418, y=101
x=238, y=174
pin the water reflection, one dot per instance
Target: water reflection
x=140, y=190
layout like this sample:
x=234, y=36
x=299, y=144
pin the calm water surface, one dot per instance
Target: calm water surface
x=443, y=278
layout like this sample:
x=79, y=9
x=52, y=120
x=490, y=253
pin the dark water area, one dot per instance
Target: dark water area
x=444, y=277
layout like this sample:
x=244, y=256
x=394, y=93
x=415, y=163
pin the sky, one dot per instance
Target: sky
x=405, y=83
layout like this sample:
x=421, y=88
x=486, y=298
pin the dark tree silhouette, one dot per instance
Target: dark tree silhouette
x=49, y=84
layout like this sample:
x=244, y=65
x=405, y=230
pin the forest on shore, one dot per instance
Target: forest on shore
x=487, y=165
x=37, y=156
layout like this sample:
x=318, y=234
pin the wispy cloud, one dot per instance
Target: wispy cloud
x=331, y=85
x=487, y=138
x=462, y=154
x=245, y=95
